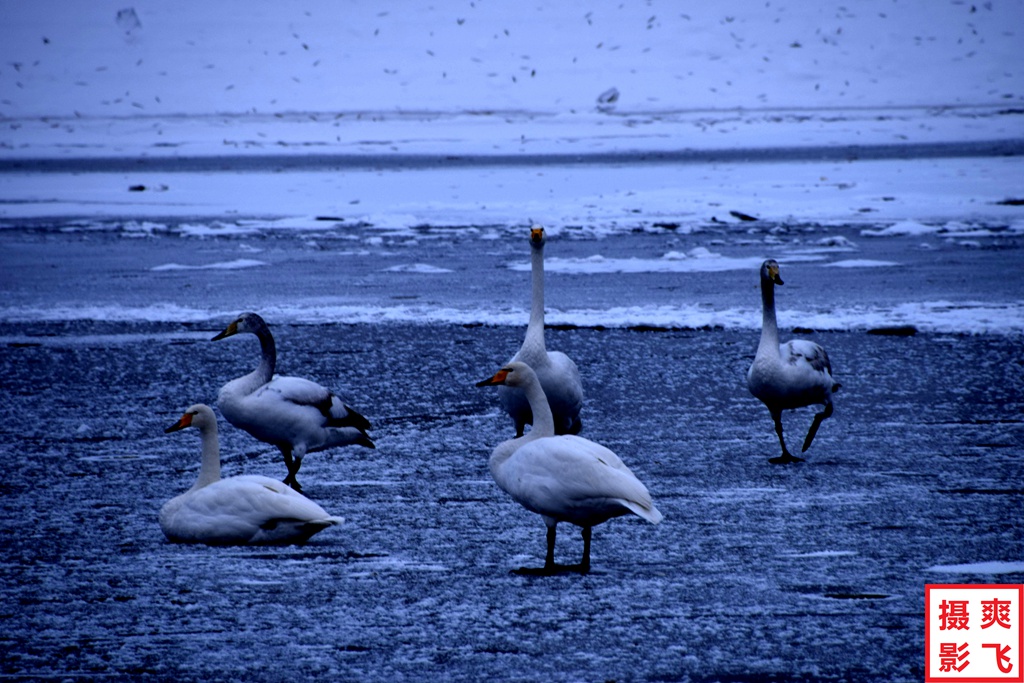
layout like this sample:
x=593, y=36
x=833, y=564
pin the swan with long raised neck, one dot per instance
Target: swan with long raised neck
x=558, y=374
x=296, y=415
x=791, y=375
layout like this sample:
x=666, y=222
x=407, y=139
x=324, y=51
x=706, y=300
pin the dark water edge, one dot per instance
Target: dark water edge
x=811, y=572
x=336, y=162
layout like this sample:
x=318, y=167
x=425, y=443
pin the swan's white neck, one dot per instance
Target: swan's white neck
x=264, y=372
x=543, y=420
x=268, y=362
x=209, y=470
x=769, y=344
x=543, y=425
x=535, y=330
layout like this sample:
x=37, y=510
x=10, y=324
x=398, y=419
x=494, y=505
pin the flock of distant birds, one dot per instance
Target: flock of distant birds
x=548, y=469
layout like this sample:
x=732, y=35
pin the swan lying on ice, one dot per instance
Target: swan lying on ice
x=248, y=509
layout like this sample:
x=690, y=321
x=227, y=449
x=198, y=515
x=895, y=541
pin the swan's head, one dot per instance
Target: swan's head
x=199, y=415
x=770, y=271
x=247, y=322
x=536, y=236
x=512, y=375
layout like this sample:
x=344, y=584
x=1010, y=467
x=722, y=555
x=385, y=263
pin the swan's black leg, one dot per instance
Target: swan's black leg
x=293, y=468
x=550, y=568
x=786, y=456
x=549, y=560
x=585, y=561
x=818, y=418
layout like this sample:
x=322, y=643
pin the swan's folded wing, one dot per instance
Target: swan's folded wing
x=568, y=375
x=799, y=350
x=343, y=415
x=306, y=393
x=576, y=480
x=300, y=391
x=241, y=509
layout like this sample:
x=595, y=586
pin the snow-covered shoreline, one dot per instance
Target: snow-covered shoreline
x=380, y=135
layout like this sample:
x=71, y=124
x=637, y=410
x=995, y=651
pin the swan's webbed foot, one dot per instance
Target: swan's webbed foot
x=785, y=459
x=575, y=427
x=786, y=456
x=552, y=570
x=293, y=464
x=291, y=479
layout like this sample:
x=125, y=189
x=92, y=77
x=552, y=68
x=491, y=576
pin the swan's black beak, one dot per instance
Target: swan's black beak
x=185, y=421
x=230, y=330
x=499, y=378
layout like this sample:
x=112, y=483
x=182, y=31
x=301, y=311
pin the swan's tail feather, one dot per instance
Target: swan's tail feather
x=350, y=419
x=349, y=436
x=329, y=521
x=315, y=526
x=648, y=511
x=288, y=531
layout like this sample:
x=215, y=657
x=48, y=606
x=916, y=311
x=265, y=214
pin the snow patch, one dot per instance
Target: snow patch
x=993, y=567
x=933, y=316
x=861, y=263
x=697, y=260
x=421, y=268
x=237, y=264
x=820, y=554
x=902, y=229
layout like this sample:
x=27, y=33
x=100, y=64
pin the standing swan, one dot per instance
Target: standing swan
x=557, y=372
x=294, y=414
x=237, y=510
x=563, y=478
x=790, y=375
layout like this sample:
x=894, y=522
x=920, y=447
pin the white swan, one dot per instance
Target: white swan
x=294, y=414
x=248, y=509
x=563, y=478
x=557, y=372
x=790, y=375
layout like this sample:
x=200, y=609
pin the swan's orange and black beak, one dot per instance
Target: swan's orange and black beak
x=499, y=378
x=773, y=273
x=230, y=330
x=537, y=235
x=185, y=421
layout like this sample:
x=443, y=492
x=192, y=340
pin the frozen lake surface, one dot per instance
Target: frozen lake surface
x=813, y=572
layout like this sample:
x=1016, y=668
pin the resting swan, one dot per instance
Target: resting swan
x=557, y=372
x=248, y=509
x=563, y=478
x=791, y=375
x=294, y=414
